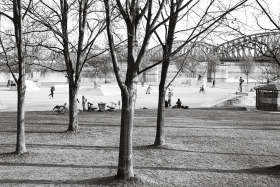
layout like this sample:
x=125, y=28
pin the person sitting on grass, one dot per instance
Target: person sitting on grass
x=178, y=103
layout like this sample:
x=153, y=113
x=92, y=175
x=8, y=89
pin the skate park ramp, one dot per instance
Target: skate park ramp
x=92, y=91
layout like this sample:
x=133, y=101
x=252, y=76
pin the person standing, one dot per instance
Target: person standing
x=84, y=101
x=149, y=89
x=213, y=83
x=169, y=94
x=240, y=83
x=9, y=83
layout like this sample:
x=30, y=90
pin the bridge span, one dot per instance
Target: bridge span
x=223, y=62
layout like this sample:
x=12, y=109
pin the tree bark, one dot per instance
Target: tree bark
x=125, y=165
x=73, y=109
x=160, y=133
x=20, y=143
x=166, y=49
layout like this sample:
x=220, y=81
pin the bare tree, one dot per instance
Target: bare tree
x=213, y=62
x=102, y=66
x=271, y=49
x=247, y=66
x=76, y=27
x=187, y=66
x=270, y=71
x=17, y=21
x=174, y=7
x=268, y=14
x=205, y=23
x=268, y=49
x=132, y=13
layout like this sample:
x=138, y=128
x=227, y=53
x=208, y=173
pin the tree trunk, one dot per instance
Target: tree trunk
x=160, y=135
x=105, y=77
x=209, y=71
x=125, y=165
x=20, y=145
x=215, y=76
x=166, y=50
x=73, y=109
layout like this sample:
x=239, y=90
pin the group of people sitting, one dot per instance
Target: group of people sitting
x=87, y=107
x=178, y=104
x=10, y=83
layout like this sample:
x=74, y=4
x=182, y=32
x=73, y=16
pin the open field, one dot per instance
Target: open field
x=206, y=148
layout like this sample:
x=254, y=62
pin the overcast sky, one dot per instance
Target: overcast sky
x=249, y=15
x=245, y=19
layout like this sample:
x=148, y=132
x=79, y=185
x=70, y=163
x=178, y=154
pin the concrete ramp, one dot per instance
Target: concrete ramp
x=110, y=89
x=92, y=91
x=31, y=86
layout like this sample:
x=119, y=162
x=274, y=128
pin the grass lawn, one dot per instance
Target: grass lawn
x=205, y=148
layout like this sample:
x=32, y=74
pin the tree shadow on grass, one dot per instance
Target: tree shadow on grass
x=13, y=154
x=104, y=181
x=270, y=170
x=180, y=148
x=100, y=181
x=273, y=171
x=148, y=147
x=8, y=154
x=34, y=132
x=51, y=113
x=65, y=146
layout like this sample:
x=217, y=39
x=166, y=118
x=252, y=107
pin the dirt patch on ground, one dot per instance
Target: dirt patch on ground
x=205, y=148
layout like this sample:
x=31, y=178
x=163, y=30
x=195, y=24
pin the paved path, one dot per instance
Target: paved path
x=38, y=100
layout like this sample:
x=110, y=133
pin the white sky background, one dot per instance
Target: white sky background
x=249, y=16
x=243, y=20
x=246, y=16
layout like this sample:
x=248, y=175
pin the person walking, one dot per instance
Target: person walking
x=52, y=92
x=202, y=89
x=149, y=89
